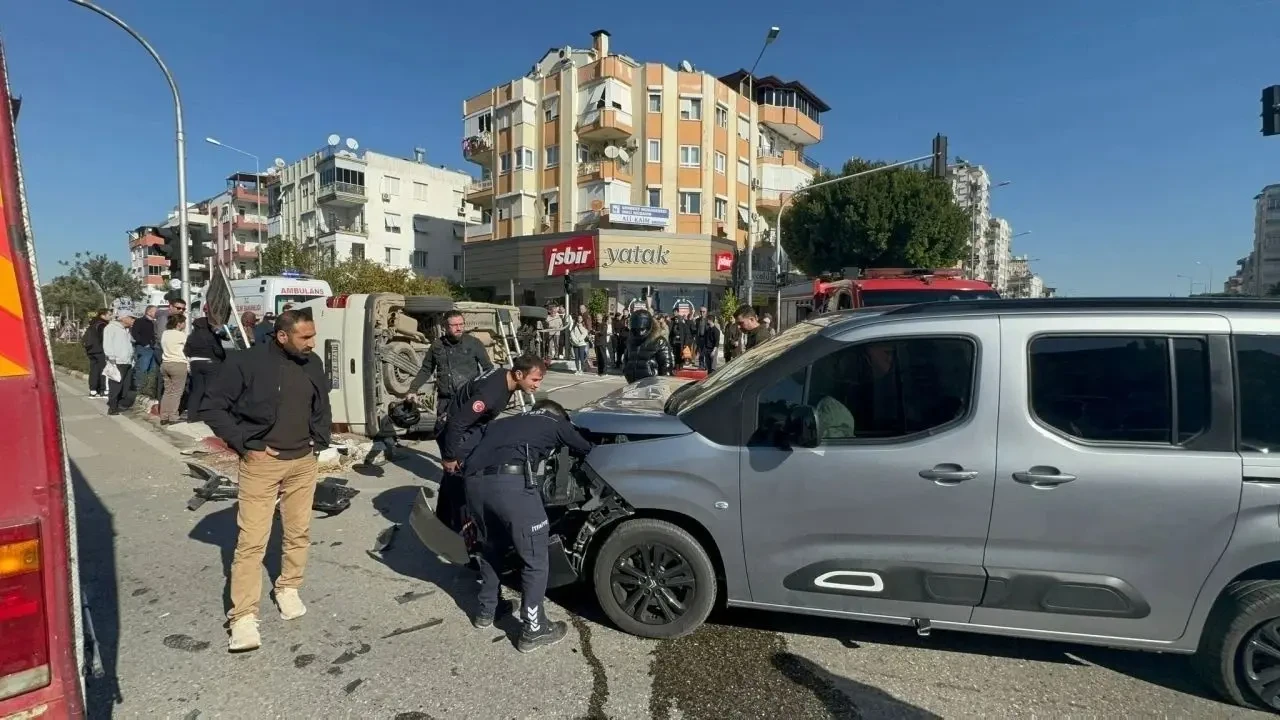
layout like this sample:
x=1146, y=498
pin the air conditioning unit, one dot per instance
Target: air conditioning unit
x=755, y=184
x=386, y=197
x=462, y=212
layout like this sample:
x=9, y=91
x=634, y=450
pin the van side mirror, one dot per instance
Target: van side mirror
x=804, y=429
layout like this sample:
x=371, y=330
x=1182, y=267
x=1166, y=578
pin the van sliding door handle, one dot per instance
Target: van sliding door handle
x=1043, y=477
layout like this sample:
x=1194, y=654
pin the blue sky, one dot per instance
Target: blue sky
x=1128, y=130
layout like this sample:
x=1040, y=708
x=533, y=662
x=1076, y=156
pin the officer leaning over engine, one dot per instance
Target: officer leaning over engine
x=468, y=411
x=504, y=498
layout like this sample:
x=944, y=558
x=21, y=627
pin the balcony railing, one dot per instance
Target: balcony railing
x=480, y=186
x=806, y=160
x=349, y=229
x=342, y=187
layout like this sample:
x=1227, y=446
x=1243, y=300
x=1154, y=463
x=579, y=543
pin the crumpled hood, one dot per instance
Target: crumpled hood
x=633, y=410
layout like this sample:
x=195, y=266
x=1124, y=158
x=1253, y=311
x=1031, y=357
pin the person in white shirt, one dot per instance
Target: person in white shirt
x=117, y=345
x=173, y=366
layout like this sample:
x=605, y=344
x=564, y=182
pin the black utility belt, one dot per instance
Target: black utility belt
x=512, y=469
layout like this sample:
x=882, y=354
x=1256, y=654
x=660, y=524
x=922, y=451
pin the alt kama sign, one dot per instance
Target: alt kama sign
x=571, y=255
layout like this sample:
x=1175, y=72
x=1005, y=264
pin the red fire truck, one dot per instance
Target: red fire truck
x=40, y=651
x=877, y=287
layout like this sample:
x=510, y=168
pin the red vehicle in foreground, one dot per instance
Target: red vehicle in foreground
x=878, y=287
x=40, y=651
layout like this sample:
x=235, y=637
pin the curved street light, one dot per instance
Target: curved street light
x=184, y=237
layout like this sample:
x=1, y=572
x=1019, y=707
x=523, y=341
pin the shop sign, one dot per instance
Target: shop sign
x=571, y=255
x=636, y=256
x=724, y=261
x=638, y=215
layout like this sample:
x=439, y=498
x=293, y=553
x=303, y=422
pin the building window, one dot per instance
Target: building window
x=553, y=155
x=722, y=117
x=655, y=197
x=524, y=158
x=504, y=119
x=655, y=102
x=583, y=153
x=690, y=108
x=722, y=208
x=744, y=128
x=357, y=251
x=420, y=259
x=390, y=185
x=504, y=209
x=457, y=263
x=504, y=163
x=655, y=151
x=690, y=156
x=485, y=122
x=721, y=163
x=690, y=203
x=744, y=172
x=1128, y=383
x=390, y=256
x=420, y=192
x=551, y=109
x=392, y=222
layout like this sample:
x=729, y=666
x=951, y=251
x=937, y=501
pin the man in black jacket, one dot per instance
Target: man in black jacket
x=270, y=404
x=455, y=358
x=92, y=343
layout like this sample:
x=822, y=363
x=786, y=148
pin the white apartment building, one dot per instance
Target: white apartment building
x=1023, y=283
x=1266, y=241
x=971, y=187
x=997, y=246
x=395, y=211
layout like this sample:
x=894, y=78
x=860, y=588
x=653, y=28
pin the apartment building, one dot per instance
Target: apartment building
x=348, y=203
x=1023, y=283
x=591, y=141
x=1242, y=280
x=971, y=187
x=150, y=264
x=238, y=219
x=997, y=245
x=1266, y=241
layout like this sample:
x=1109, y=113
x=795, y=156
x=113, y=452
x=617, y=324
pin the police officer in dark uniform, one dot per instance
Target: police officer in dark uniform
x=469, y=410
x=505, y=502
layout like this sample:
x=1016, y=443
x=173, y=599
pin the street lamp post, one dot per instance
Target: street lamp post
x=1191, y=284
x=751, y=162
x=184, y=234
x=257, y=174
x=787, y=200
x=1209, y=285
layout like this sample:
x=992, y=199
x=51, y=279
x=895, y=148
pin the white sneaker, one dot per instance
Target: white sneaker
x=244, y=635
x=291, y=607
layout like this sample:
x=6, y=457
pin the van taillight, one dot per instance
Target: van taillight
x=337, y=301
x=24, y=641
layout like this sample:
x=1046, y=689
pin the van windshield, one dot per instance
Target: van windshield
x=695, y=393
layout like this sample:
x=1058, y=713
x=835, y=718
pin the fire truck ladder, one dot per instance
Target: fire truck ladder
x=511, y=343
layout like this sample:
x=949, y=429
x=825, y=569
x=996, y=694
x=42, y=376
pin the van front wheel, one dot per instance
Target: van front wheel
x=653, y=579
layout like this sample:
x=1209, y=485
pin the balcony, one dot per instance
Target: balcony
x=479, y=148
x=605, y=124
x=478, y=231
x=248, y=195
x=791, y=124
x=156, y=261
x=609, y=67
x=249, y=223
x=359, y=229
x=479, y=191
x=341, y=193
x=243, y=253
x=604, y=170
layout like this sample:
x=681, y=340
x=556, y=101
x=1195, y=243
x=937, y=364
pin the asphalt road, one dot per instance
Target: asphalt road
x=387, y=636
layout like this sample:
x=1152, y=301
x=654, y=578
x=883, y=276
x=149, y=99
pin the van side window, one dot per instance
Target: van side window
x=1121, y=389
x=1258, y=372
x=881, y=390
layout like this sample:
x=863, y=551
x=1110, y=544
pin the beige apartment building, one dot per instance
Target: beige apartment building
x=590, y=139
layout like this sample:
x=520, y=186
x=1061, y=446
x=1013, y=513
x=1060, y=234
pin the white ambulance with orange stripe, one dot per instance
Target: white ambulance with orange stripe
x=40, y=621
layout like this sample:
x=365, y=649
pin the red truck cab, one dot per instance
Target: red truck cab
x=878, y=287
x=40, y=651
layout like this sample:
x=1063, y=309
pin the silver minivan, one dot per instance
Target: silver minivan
x=1087, y=470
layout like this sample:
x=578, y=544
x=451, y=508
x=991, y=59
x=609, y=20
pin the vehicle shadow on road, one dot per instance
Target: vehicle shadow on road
x=99, y=588
x=219, y=529
x=402, y=552
x=843, y=697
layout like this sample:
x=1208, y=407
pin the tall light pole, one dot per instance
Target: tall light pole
x=1191, y=284
x=184, y=234
x=751, y=162
x=783, y=208
x=1209, y=285
x=257, y=174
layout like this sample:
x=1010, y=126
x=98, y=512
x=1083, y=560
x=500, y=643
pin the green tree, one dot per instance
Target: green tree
x=728, y=306
x=598, y=302
x=70, y=295
x=278, y=255
x=107, y=277
x=896, y=218
x=359, y=275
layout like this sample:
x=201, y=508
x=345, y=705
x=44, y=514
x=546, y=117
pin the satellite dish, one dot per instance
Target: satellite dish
x=611, y=152
x=623, y=155
x=685, y=66
x=279, y=162
x=334, y=140
x=352, y=145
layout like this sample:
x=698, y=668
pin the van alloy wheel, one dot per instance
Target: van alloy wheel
x=1260, y=662
x=653, y=583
